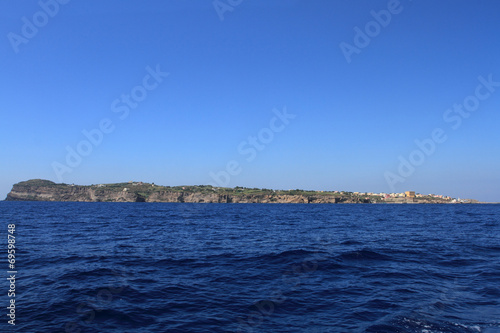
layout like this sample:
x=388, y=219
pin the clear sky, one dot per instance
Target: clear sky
x=326, y=95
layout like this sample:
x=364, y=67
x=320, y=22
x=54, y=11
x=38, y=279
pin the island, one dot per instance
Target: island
x=46, y=190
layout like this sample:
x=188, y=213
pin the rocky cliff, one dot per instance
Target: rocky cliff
x=44, y=190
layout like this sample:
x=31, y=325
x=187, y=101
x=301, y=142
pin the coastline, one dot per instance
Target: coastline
x=45, y=190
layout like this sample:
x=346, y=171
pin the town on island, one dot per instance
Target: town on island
x=46, y=190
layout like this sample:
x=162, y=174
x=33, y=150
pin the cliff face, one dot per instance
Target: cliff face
x=29, y=191
x=226, y=198
x=43, y=190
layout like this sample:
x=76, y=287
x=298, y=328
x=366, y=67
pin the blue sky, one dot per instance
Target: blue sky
x=353, y=123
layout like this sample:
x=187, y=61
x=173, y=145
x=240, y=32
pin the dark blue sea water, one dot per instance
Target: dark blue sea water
x=166, y=267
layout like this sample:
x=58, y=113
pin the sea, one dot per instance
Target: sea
x=313, y=268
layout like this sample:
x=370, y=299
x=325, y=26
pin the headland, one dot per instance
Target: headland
x=46, y=190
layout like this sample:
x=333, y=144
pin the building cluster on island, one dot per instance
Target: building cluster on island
x=409, y=196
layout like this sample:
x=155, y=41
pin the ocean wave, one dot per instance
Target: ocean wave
x=364, y=254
